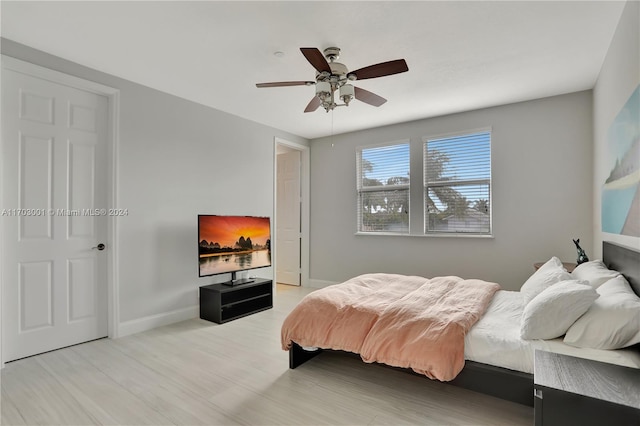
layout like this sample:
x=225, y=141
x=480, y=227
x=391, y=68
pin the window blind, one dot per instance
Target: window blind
x=383, y=188
x=457, y=184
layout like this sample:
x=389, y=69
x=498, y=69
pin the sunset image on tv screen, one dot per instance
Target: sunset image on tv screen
x=233, y=243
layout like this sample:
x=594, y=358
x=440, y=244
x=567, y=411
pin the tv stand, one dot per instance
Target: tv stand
x=221, y=302
x=240, y=281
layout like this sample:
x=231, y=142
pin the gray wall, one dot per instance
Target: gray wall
x=619, y=77
x=542, y=196
x=175, y=159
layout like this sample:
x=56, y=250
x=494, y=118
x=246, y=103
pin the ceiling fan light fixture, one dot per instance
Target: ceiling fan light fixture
x=323, y=90
x=347, y=93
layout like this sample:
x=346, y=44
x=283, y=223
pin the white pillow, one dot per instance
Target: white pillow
x=595, y=272
x=552, y=312
x=612, y=322
x=548, y=274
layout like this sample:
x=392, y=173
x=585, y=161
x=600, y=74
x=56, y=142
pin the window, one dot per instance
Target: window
x=383, y=188
x=457, y=184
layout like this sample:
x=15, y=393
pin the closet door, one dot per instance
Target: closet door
x=54, y=196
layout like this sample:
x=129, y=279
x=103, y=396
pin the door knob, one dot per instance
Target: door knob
x=99, y=247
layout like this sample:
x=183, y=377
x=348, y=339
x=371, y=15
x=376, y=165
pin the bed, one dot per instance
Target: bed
x=495, y=362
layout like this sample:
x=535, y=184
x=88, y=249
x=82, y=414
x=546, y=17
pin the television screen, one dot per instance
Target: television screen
x=233, y=243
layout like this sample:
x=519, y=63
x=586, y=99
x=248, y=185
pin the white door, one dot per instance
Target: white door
x=54, y=166
x=288, y=218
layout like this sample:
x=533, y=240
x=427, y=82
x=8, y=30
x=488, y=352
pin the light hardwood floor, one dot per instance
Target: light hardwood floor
x=200, y=373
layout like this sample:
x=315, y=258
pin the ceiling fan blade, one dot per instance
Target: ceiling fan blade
x=368, y=97
x=316, y=58
x=381, y=69
x=286, y=83
x=313, y=105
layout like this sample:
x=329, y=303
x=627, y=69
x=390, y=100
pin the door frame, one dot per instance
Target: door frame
x=305, y=185
x=113, y=98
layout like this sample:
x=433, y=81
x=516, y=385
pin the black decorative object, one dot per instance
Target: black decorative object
x=582, y=256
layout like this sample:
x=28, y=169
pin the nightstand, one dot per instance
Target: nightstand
x=577, y=391
x=567, y=265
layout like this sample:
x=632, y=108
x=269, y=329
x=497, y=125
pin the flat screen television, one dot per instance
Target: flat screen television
x=230, y=244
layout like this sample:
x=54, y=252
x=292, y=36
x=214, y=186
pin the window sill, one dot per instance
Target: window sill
x=457, y=235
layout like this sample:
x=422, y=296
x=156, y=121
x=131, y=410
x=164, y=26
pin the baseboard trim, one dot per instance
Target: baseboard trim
x=320, y=283
x=147, y=323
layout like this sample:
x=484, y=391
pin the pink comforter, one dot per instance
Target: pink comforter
x=403, y=321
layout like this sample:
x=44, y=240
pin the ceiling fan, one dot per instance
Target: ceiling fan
x=333, y=76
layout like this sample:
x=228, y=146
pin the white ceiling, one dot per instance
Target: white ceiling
x=461, y=55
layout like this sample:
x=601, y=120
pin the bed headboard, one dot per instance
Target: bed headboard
x=624, y=260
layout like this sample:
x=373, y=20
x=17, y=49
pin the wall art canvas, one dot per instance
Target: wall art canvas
x=621, y=189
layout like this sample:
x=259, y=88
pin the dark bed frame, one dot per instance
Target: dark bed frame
x=500, y=382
